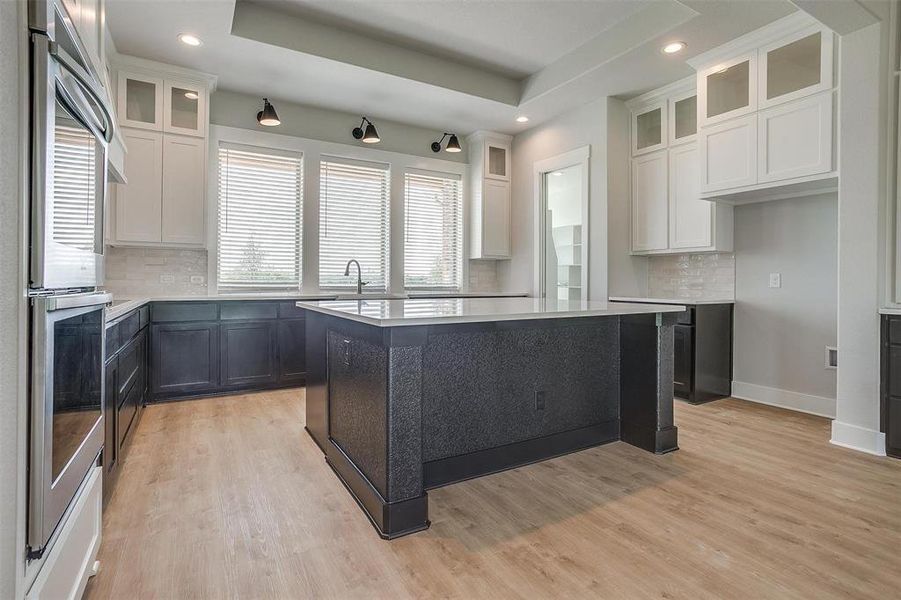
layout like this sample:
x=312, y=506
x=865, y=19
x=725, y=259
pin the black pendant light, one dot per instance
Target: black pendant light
x=267, y=116
x=368, y=135
x=453, y=144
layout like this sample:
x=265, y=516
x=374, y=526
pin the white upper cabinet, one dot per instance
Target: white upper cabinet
x=490, y=196
x=164, y=122
x=649, y=201
x=728, y=89
x=649, y=129
x=796, y=66
x=668, y=214
x=766, y=113
x=162, y=103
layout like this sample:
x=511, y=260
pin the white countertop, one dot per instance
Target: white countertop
x=393, y=313
x=123, y=306
x=685, y=301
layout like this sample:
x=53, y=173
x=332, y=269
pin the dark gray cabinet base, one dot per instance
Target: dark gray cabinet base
x=890, y=420
x=208, y=348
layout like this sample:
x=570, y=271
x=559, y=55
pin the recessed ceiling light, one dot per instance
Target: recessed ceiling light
x=189, y=39
x=191, y=95
x=674, y=47
x=522, y=119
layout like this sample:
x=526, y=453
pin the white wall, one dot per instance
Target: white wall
x=862, y=136
x=780, y=334
x=234, y=109
x=11, y=348
x=604, y=126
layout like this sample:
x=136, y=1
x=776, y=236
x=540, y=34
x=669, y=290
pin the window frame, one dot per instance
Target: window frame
x=312, y=151
x=213, y=256
x=461, y=235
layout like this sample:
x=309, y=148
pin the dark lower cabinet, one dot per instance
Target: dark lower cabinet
x=292, y=351
x=125, y=390
x=248, y=353
x=184, y=358
x=890, y=420
x=202, y=348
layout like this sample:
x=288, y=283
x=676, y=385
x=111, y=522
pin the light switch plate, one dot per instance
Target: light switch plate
x=196, y=278
x=167, y=278
x=775, y=280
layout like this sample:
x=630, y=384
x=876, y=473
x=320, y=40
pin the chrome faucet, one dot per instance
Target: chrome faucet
x=360, y=282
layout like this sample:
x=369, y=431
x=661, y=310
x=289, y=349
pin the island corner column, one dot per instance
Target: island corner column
x=646, y=382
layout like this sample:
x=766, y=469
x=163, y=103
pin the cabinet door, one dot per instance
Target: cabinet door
x=683, y=118
x=690, y=218
x=184, y=172
x=497, y=160
x=729, y=154
x=184, y=358
x=139, y=202
x=649, y=129
x=184, y=108
x=496, y=219
x=683, y=347
x=728, y=89
x=140, y=102
x=796, y=66
x=795, y=139
x=649, y=202
x=248, y=353
x=292, y=351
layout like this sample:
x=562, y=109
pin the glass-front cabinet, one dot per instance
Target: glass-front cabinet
x=728, y=89
x=683, y=117
x=649, y=128
x=172, y=106
x=796, y=66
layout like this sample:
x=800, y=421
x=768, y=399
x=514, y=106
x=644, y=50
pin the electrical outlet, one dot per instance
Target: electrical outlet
x=196, y=278
x=539, y=399
x=167, y=278
x=775, y=280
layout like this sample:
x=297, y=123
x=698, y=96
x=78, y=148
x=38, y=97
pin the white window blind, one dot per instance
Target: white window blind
x=353, y=222
x=433, y=233
x=74, y=187
x=260, y=217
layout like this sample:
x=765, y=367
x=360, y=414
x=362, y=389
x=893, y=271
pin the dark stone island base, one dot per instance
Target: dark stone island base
x=401, y=410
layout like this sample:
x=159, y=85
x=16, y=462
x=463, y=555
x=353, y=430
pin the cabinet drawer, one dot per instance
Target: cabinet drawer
x=112, y=340
x=129, y=327
x=246, y=311
x=687, y=317
x=894, y=331
x=290, y=310
x=129, y=363
x=126, y=413
x=184, y=311
x=144, y=316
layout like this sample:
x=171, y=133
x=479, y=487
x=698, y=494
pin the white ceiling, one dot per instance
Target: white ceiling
x=514, y=38
x=390, y=60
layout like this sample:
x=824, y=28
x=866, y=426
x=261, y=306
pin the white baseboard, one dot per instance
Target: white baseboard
x=806, y=403
x=858, y=438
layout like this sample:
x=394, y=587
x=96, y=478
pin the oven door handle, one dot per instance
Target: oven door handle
x=87, y=84
x=52, y=303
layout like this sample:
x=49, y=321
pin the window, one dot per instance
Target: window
x=259, y=218
x=353, y=222
x=433, y=240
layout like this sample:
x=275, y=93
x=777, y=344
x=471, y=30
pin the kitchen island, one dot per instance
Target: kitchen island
x=407, y=395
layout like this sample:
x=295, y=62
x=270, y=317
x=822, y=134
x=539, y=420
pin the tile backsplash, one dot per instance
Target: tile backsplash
x=147, y=272
x=143, y=272
x=483, y=276
x=692, y=276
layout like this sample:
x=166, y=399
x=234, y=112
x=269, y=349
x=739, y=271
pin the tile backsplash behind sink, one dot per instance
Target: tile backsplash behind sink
x=154, y=272
x=692, y=276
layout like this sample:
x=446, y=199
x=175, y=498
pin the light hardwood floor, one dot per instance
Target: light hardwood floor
x=229, y=498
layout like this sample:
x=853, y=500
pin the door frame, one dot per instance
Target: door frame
x=540, y=169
